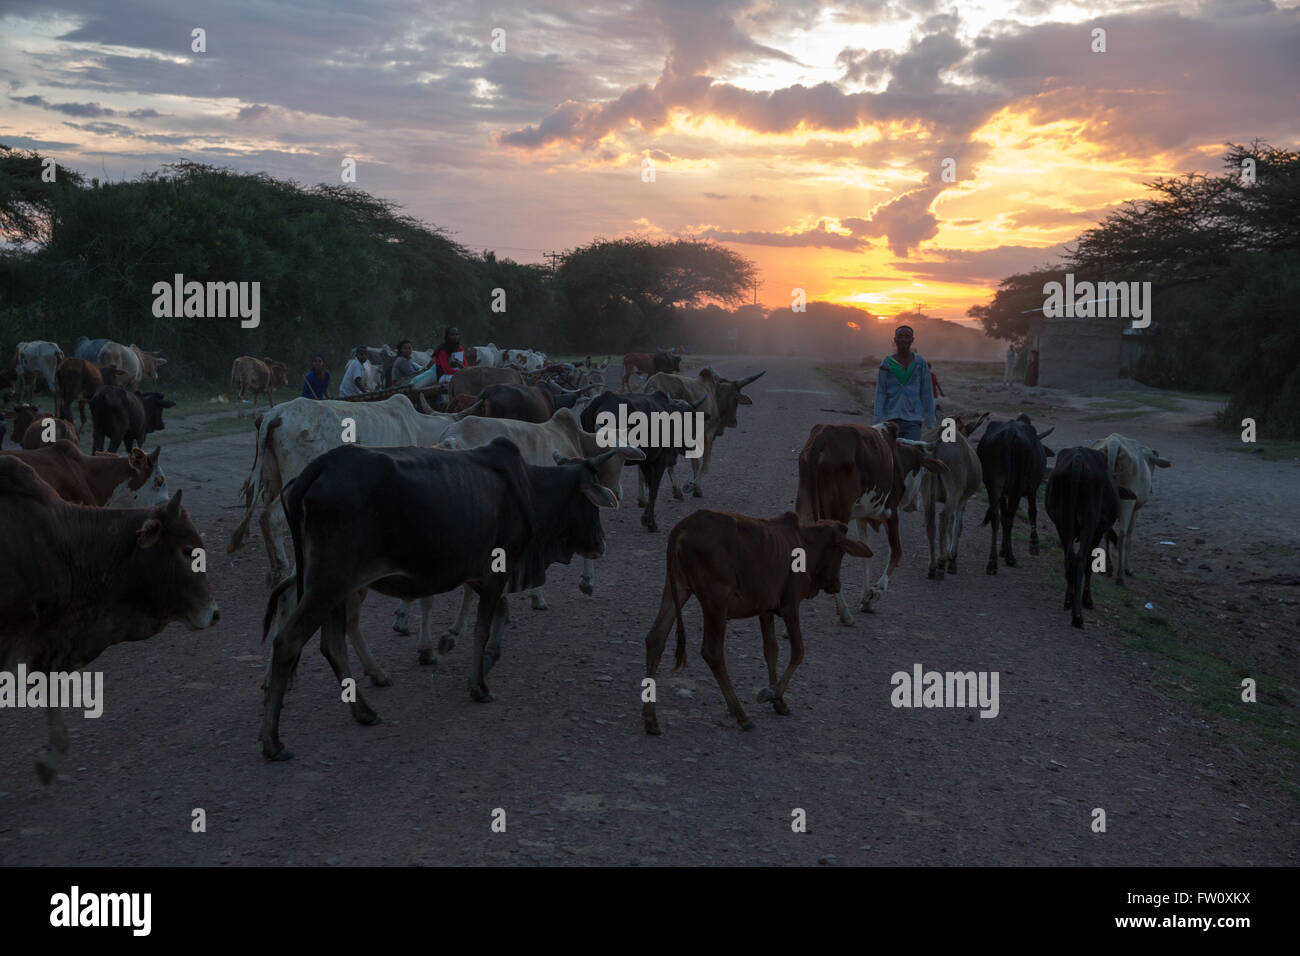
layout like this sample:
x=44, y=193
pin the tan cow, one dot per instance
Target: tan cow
x=150, y=362
x=259, y=376
x=952, y=489
x=1130, y=465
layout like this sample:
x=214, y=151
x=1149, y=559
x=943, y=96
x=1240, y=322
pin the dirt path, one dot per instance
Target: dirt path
x=1084, y=722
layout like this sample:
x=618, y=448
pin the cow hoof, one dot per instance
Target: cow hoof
x=539, y=603
x=400, y=626
x=992, y=568
x=279, y=756
x=380, y=680
x=677, y=494
x=930, y=574
x=696, y=493
x=640, y=502
x=1087, y=601
x=426, y=657
x=952, y=567
x=782, y=708
x=939, y=572
x=1076, y=622
x=1011, y=562
x=653, y=730
x=586, y=586
x=765, y=694
x=45, y=770
x=747, y=724
x=649, y=523
x=446, y=643
x=481, y=695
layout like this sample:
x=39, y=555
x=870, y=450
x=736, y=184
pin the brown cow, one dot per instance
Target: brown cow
x=648, y=363
x=29, y=429
x=740, y=567
x=461, y=402
x=865, y=474
x=102, y=479
x=471, y=381
x=76, y=380
x=259, y=376
x=150, y=362
x=134, y=575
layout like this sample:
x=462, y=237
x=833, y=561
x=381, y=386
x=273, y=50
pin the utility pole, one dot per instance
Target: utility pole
x=553, y=256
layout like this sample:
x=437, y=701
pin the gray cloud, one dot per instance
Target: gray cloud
x=818, y=236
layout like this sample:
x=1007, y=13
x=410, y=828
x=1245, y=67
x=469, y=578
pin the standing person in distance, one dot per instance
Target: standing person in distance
x=904, y=392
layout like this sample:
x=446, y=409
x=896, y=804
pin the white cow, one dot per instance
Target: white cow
x=539, y=444
x=126, y=361
x=488, y=355
x=525, y=359
x=33, y=361
x=294, y=433
x=1130, y=467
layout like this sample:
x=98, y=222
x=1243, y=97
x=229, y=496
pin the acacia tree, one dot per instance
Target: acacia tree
x=622, y=292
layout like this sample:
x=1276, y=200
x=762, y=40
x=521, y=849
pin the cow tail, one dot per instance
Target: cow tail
x=252, y=484
x=291, y=498
x=271, y=604
x=1112, y=452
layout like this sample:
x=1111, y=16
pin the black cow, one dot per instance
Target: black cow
x=526, y=403
x=658, y=459
x=465, y=505
x=1013, y=458
x=667, y=361
x=1083, y=503
x=124, y=416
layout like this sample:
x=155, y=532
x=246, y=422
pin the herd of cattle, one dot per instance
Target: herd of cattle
x=489, y=496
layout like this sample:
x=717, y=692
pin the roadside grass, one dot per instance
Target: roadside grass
x=1113, y=416
x=1195, y=675
x=1271, y=450
x=841, y=377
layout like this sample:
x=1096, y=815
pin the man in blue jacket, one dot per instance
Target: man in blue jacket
x=904, y=391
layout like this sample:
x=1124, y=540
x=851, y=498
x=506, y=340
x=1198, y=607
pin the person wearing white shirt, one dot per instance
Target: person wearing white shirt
x=354, y=376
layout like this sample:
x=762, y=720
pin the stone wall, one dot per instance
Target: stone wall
x=1077, y=352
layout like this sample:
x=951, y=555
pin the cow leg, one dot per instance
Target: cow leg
x=878, y=590
x=492, y=653
x=648, y=519
x=672, y=481
x=1009, y=506
x=654, y=646
x=715, y=633
x=947, y=520
x=795, y=633
x=448, y=640
x=1033, y=522
x=46, y=765
x=936, y=567
x=424, y=644
x=401, y=613
x=640, y=488
x=992, y=518
x=587, y=583
x=775, y=689
x=274, y=542
x=699, y=468
x=306, y=619
x=1085, y=557
x=484, y=623
x=958, y=521
x=333, y=644
x=378, y=677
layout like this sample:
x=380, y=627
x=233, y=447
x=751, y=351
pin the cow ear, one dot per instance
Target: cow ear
x=136, y=459
x=743, y=399
x=1047, y=451
x=149, y=533
x=153, y=455
x=854, y=547
x=1161, y=462
x=599, y=495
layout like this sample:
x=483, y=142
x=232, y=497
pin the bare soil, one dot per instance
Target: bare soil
x=1086, y=721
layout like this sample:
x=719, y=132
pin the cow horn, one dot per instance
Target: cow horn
x=700, y=401
x=604, y=457
x=1042, y=435
x=472, y=410
x=174, y=506
x=747, y=381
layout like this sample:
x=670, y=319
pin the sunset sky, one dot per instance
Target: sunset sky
x=809, y=136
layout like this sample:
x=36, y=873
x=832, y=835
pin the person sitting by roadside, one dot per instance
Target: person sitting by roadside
x=354, y=376
x=316, y=383
x=403, y=366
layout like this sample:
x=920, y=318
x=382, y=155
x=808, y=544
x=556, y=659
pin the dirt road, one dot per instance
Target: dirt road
x=1083, y=723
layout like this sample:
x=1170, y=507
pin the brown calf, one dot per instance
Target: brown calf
x=76, y=380
x=739, y=567
x=103, y=479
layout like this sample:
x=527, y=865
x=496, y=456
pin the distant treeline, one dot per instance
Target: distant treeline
x=336, y=266
x=1223, y=256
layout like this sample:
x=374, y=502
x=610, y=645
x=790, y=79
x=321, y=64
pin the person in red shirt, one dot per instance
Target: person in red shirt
x=449, y=357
